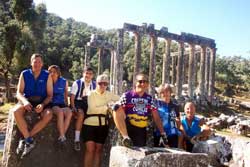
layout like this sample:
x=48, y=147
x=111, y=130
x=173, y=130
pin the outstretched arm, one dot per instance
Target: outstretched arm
x=119, y=119
x=158, y=121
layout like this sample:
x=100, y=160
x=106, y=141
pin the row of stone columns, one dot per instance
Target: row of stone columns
x=206, y=67
x=179, y=63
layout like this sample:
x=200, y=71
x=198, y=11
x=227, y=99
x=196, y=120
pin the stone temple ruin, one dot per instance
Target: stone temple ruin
x=176, y=68
x=198, y=56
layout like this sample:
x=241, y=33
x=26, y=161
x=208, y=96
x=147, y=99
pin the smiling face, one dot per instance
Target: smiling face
x=36, y=63
x=102, y=86
x=141, y=84
x=54, y=72
x=189, y=110
x=165, y=94
x=102, y=83
x=88, y=75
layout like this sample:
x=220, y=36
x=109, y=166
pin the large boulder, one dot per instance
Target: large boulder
x=240, y=151
x=156, y=157
x=46, y=153
x=216, y=147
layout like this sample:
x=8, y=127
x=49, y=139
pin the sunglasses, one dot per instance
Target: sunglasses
x=142, y=81
x=103, y=83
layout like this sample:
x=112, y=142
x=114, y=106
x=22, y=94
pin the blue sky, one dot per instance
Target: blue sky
x=226, y=21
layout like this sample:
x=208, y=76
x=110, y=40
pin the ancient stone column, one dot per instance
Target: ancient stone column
x=87, y=56
x=191, y=70
x=195, y=69
x=137, y=54
x=118, y=61
x=173, y=80
x=185, y=66
x=152, y=66
x=202, y=71
x=100, y=64
x=112, y=70
x=212, y=73
x=166, y=62
x=179, y=70
x=207, y=68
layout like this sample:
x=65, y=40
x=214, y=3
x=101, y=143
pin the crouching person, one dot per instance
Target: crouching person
x=34, y=93
x=95, y=126
x=193, y=128
x=170, y=117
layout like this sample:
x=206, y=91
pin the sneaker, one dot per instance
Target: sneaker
x=61, y=144
x=20, y=146
x=77, y=146
x=28, y=147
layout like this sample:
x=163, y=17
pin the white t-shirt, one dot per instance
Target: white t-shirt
x=86, y=90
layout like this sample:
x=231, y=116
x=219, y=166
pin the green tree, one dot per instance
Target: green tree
x=10, y=34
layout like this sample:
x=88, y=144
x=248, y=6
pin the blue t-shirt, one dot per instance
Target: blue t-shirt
x=192, y=130
x=168, y=113
x=58, y=91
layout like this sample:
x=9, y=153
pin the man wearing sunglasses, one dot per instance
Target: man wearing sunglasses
x=131, y=114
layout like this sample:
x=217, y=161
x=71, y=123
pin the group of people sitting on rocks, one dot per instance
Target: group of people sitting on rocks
x=46, y=92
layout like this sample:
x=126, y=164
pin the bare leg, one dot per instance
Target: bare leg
x=60, y=119
x=79, y=120
x=180, y=141
x=68, y=115
x=98, y=154
x=89, y=154
x=19, y=112
x=46, y=117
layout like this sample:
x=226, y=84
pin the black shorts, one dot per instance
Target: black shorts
x=35, y=100
x=172, y=141
x=59, y=105
x=138, y=135
x=82, y=104
x=98, y=134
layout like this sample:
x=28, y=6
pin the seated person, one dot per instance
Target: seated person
x=170, y=117
x=34, y=93
x=193, y=128
x=60, y=102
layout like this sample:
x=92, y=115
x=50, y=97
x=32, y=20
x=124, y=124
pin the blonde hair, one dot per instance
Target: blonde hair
x=102, y=78
x=164, y=87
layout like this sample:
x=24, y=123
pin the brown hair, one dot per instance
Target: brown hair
x=35, y=55
x=88, y=69
x=57, y=68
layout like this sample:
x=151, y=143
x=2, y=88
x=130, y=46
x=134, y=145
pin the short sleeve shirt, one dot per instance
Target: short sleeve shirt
x=137, y=109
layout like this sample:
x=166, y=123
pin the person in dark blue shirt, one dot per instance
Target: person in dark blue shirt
x=170, y=117
x=34, y=93
x=60, y=102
